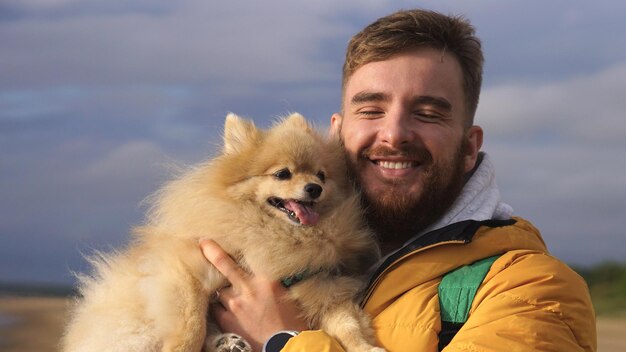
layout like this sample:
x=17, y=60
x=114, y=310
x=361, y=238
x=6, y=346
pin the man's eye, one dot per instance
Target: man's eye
x=283, y=174
x=322, y=176
x=426, y=115
x=370, y=113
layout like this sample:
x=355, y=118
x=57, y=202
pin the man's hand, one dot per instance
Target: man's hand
x=254, y=306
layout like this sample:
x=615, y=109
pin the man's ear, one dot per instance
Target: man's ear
x=238, y=134
x=474, y=138
x=335, y=124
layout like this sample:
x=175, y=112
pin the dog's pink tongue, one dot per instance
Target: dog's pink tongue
x=305, y=214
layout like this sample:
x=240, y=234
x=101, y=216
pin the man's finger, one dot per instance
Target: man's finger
x=222, y=261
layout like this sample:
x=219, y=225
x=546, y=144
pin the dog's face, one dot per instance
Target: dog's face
x=289, y=171
x=293, y=193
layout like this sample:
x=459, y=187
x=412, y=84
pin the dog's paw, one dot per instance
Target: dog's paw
x=230, y=343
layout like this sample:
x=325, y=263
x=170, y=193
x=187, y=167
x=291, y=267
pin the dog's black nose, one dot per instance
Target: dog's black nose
x=313, y=189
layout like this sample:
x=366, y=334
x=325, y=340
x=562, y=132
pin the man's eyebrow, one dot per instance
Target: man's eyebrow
x=368, y=97
x=438, y=102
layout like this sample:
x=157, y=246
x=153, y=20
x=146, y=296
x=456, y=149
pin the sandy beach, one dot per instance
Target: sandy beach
x=36, y=324
x=611, y=334
x=31, y=323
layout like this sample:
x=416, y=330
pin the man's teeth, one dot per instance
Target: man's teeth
x=395, y=164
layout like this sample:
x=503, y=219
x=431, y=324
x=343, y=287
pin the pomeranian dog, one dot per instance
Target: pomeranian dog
x=279, y=202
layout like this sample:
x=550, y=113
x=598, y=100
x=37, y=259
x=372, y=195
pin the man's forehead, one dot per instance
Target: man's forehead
x=430, y=74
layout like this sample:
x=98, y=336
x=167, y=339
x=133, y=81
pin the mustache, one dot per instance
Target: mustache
x=406, y=151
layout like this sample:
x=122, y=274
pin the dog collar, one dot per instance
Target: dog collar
x=292, y=280
x=305, y=274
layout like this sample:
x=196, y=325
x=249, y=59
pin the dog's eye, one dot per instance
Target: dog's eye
x=283, y=174
x=322, y=176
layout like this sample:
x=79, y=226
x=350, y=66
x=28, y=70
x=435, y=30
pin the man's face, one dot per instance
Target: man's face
x=404, y=134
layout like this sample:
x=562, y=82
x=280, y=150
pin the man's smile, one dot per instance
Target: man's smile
x=397, y=165
x=393, y=162
x=390, y=167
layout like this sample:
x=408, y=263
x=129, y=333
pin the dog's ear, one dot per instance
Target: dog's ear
x=238, y=134
x=296, y=120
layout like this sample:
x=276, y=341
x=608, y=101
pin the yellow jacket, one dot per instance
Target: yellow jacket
x=529, y=300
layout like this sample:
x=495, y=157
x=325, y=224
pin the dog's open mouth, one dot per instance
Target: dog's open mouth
x=298, y=211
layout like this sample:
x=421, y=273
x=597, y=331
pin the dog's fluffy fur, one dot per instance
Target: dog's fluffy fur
x=154, y=295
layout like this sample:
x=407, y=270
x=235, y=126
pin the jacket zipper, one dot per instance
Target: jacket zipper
x=387, y=268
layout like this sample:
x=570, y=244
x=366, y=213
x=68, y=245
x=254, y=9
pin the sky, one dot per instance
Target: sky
x=102, y=101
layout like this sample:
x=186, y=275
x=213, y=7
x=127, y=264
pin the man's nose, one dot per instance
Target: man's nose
x=396, y=129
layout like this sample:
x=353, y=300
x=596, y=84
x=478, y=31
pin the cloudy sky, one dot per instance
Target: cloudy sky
x=100, y=100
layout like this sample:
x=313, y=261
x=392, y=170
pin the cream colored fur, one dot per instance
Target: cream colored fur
x=154, y=294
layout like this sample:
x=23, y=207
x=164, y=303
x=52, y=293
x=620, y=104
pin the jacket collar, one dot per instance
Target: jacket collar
x=441, y=251
x=460, y=233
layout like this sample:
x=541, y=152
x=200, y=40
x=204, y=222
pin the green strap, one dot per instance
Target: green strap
x=458, y=288
x=292, y=280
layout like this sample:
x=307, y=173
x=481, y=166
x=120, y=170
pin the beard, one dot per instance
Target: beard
x=396, y=215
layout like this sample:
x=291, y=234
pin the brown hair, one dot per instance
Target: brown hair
x=412, y=29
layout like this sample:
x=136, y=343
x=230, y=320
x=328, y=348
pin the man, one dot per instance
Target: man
x=411, y=84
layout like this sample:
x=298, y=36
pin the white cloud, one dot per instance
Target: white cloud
x=559, y=149
x=574, y=194
x=195, y=41
x=126, y=163
x=586, y=109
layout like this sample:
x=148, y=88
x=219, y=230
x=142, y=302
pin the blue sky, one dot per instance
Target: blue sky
x=101, y=101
